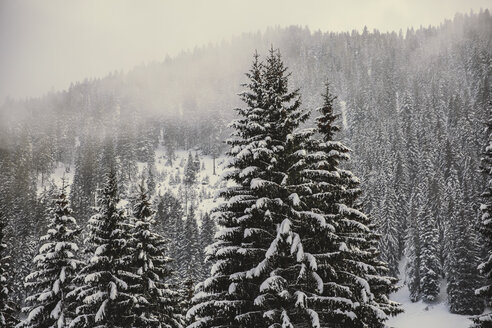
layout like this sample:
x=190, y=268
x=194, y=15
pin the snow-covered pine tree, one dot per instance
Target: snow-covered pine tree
x=7, y=310
x=423, y=266
x=84, y=182
x=56, y=266
x=178, y=248
x=45, y=205
x=145, y=144
x=151, y=178
x=21, y=214
x=388, y=227
x=125, y=152
x=189, y=180
x=399, y=185
x=430, y=267
x=485, y=321
x=190, y=253
x=190, y=171
x=207, y=232
x=169, y=142
x=197, y=162
x=254, y=207
x=156, y=305
x=169, y=211
x=386, y=212
x=107, y=161
x=352, y=287
x=412, y=251
x=103, y=296
x=461, y=254
x=429, y=257
x=287, y=273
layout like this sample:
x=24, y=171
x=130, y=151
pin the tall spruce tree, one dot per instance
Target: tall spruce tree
x=429, y=257
x=429, y=262
x=104, y=297
x=190, y=171
x=388, y=227
x=125, y=152
x=423, y=266
x=189, y=179
x=207, y=233
x=7, y=309
x=56, y=266
x=461, y=249
x=353, y=288
x=189, y=254
x=412, y=252
x=21, y=213
x=253, y=208
x=84, y=180
x=157, y=303
x=168, y=217
x=485, y=321
x=151, y=178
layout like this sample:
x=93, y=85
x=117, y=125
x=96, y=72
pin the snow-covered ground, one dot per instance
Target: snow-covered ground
x=206, y=186
x=423, y=315
x=61, y=173
x=207, y=183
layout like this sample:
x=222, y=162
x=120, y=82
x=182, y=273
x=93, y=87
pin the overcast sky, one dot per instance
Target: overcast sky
x=47, y=44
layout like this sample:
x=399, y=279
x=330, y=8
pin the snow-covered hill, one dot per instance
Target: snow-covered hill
x=207, y=182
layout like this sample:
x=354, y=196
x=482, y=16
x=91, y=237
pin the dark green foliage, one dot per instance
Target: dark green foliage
x=188, y=255
x=486, y=226
x=190, y=171
x=256, y=151
x=207, y=233
x=169, y=222
x=84, y=181
x=151, y=178
x=461, y=247
x=7, y=307
x=126, y=154
x=55, y=268
x=156, y=304
x=21, y=214
x=146, y=143
x=103, y=296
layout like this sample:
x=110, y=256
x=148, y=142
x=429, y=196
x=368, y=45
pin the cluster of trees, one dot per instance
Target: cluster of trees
x=485, y=267
x=186, y=240
x=51, y=294
x=122, y=281
x=294, y=250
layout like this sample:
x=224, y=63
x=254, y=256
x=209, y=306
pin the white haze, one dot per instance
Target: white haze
x=48, y=44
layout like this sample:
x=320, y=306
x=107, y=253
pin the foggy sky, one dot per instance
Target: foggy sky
x=46, y=44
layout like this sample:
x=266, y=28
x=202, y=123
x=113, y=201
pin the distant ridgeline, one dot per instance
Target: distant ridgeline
x=412, y=105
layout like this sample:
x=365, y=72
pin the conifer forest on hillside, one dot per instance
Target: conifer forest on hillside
x=288, y=178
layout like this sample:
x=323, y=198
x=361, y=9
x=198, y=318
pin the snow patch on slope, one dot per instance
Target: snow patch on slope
x=422, y=315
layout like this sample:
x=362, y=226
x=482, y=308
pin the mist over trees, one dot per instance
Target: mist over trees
x=412, y=106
